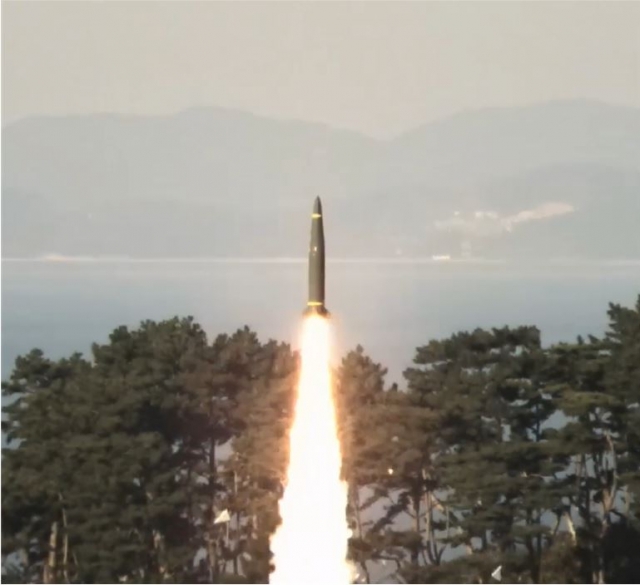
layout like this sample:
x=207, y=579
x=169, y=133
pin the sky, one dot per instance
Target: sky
x=376, y=67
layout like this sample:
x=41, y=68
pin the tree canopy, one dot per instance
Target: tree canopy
x=162, y=455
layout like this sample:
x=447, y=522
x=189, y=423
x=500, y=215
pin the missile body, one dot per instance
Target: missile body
x=315, y=301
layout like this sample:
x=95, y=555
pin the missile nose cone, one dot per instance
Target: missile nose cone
x=317, y=206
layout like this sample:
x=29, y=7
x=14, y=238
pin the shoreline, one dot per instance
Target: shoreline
x=54, y=259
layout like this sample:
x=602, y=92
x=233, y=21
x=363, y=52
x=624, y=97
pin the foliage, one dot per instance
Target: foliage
x=499, y=452
x=113, y=469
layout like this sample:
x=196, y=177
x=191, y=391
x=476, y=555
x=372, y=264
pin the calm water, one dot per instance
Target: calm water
x=388, y=308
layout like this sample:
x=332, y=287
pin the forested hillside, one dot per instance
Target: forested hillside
x=535, y=181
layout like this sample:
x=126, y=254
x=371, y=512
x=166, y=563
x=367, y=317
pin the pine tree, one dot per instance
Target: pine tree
x=499, y=452
x=35, y=467
x=227, y=371
x=358, y=392
x=255, y=470
x=384, y=438
x=114, y=471
x=491, y=455
x=597, y=388
x=622, y=377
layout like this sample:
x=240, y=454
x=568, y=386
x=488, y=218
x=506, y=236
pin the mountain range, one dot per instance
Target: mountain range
x=553, y=180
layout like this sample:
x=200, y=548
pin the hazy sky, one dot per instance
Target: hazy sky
x=377, y=67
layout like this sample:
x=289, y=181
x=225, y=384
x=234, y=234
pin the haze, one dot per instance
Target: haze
x=379, y=68
x=479, y=166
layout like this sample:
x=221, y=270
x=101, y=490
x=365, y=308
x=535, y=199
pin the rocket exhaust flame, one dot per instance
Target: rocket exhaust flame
x=310, y=546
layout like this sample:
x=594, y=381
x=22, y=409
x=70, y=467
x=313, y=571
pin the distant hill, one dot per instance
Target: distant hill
x=552, y=180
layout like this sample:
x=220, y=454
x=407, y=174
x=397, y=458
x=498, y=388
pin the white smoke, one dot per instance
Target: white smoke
x=491, y=223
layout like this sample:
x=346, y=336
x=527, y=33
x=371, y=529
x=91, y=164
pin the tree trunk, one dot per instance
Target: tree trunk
x=212, y=542
x=158, y=546
x=538, y=550
x=570, y=527
x=65, y=549
x=237, y=524
x=212, y=558
x=49, y=574
x=356, y=509
x=65, y=554
x=529, y=546
x=355, y=497
x=24, y=557
x=600, y=549
x=415, y=550
x=428, y=512
x=235, y=546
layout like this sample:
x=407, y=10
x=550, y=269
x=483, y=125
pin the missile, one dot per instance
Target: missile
x=315, y=301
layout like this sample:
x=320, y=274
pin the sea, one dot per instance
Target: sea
x=389, y=306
